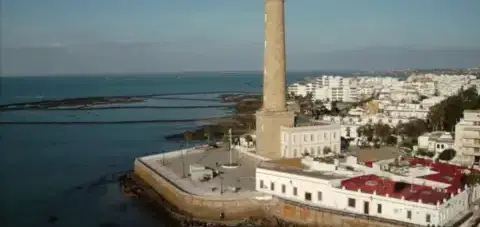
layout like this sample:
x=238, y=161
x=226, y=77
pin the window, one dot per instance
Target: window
x=319, y=196
x=272, y=186
x=305, y=138
x=427, y=218
x=379, y=208
x=283, y=188
x=325, y=135
x=294, y=153
x=312, y=137
x=351, y=202
x=409, y=214
x=261, y=184
x=295, y=191
x=308, y=196
x=334, y=135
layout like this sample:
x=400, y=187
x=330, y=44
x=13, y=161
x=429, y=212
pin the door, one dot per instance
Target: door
x=366, y=207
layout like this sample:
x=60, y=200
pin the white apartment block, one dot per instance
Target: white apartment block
x=332, y=88
x=436, y=141
x=467, y=137
x=406, y=110
x=314, y=140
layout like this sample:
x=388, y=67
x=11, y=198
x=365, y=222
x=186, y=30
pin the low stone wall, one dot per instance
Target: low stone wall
x=197, y=206
x=313, y=216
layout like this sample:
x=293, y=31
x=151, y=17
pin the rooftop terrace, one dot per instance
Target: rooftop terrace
x=382, y=186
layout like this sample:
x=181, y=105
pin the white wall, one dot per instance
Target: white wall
x=311, y=139
x=337, y=198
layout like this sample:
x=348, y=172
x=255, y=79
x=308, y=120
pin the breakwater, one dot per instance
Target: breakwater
x=102, y=100
x=105, y=122
x=116, y=107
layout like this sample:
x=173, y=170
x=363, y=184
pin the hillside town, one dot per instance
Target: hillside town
x=406, y=150
x=334, y=151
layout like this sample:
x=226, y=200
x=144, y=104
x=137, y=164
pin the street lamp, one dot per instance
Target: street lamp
x=163, y=157
x=221, y=185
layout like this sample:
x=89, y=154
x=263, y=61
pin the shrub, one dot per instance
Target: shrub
x=447, y=155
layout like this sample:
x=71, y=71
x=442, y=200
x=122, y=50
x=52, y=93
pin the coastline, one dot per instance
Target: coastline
x=133, y=186
x=241, y=117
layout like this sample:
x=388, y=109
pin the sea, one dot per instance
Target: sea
x=62, y=175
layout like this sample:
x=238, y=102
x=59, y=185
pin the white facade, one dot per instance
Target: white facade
x=313, y=140
x=326, y=190
x=331, y=88
x=467, y=137
x=406, y=110
x=436, y=141
x=349, y=125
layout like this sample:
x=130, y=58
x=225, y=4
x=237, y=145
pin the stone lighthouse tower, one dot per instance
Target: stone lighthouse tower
x=273, y=113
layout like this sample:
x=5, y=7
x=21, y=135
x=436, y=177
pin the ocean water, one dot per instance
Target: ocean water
x=42, y=166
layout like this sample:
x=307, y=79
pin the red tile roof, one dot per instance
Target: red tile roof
x=382, y=186
x=446, y=173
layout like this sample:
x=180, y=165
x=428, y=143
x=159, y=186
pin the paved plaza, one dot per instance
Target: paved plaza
x=176, y=169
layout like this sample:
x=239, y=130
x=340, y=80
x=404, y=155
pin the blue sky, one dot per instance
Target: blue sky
x=222, y=28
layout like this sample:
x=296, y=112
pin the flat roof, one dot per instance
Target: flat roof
x=445, y=173
x=373, y=154
x=294, y=166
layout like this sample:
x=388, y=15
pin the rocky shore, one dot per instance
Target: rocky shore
x=241, y=120
x=132, y=186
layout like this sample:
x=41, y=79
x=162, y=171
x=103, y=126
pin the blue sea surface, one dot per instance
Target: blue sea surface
x=43, y=166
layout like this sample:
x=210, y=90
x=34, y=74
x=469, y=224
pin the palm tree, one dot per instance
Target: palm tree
x=249, y=139
x=187, y=137
x=327, y=150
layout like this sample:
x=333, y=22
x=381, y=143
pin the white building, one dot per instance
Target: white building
x=350, y=124
x=436, y=141
x=406, y=110
x=467, y=137
x=407, y=191
x=315, y=140
x=332, y=88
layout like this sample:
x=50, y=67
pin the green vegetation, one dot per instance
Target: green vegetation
x=447, y=155
x=472, y=178
x=445, y=115
x=241, y=121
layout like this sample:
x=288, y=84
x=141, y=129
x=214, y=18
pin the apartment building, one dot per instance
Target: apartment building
x=467, y=137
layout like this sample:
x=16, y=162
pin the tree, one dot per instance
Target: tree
x=412, y=129
x=447, y=154
x=472, y=178
x=344, y=143
x=391, y=140
x=187, y=137
x=382, y=131
x=327, y=150
x=445, y=115
x=249, y=139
